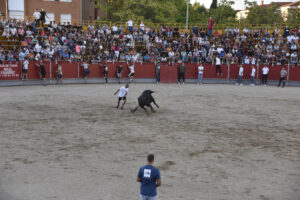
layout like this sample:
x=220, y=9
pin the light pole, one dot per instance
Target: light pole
x=187, y=15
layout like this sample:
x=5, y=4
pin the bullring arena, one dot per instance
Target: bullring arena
x=210, y=141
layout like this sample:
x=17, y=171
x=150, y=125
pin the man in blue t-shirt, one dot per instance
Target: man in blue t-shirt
x=149, y=177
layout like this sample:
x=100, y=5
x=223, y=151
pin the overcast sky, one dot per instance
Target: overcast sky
x=239, y=4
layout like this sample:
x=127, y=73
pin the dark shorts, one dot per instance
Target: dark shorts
x=59, y=75
x=86, y=72
x=24, y=70
x=43, y=73
x=218, y=66
x=122, y=98
x=131, y=74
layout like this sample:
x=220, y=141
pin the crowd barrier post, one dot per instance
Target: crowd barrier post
x=77, y=72
x=257, y=68
x=288, y=75
x=228, y=72
x=50, y=77
x=21, y=83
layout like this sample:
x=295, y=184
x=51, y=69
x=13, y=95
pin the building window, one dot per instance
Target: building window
x=65, y=18
x=50, y=18
x=16, y=9
x=65, y=0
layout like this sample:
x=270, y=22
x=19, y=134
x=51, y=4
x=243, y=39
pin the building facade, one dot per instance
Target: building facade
x=74, y=11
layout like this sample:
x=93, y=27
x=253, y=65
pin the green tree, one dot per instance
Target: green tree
x=213, y=4
x=224, y=12
x=294, y=16
x=263, y=15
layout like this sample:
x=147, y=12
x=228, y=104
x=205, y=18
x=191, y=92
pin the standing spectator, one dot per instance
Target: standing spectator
x=200, y=73
x=25, y=69
x=131, y=74
x=286, y=31
x=265, y=72
x=122, y=95
x=59, y=74
x=149, y=177
x=218, y=66
x=119, y=72
x=240, y=77
x=181, y=72
x=210, y=24
x=283, y=74
x=42, y=71
x=252, y=75
x=43, y=17
x=37, y=16
x=157, y=73
x=130, y=25
x=86, y=70
x=105, y=72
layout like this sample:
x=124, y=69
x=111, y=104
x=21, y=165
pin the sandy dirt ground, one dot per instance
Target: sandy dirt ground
x=211, y=142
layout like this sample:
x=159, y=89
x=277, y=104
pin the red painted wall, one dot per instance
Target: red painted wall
x=147, y=70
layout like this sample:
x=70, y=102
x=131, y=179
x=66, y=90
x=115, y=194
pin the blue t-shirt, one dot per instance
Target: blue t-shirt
x=148, y=175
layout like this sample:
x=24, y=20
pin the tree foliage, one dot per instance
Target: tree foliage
x=213, y=4
x=263, y=14
x=294, y=16
x=164, y=11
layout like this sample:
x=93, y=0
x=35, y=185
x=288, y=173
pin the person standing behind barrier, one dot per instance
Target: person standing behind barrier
x=43, y=17
x=157, y=73
x=59, y=74
x=265, y=72
x=210, y=24
x=240, y=76
x=218, y=66
x=130, y=25
x=131, y=74
x=149, y=177
x=181, y=72
x=200, y=73
x=105, y=71
x=86, y=70
x=119, y=72
x=25, y=69
x=283, y=74
x=42, y=71
x=37, y=16
x=253, y=70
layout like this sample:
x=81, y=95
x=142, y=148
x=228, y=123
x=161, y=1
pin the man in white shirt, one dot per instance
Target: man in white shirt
x=252, y=75
x=114, y=29
x=200, y=73
x=240, y=77
x=25, y=69
x=131, y=74
x=130, y=25
x=265, y=72
x=37, y=16
x=122, y=95
x=218, y=66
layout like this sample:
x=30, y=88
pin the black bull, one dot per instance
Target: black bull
x=146, y=99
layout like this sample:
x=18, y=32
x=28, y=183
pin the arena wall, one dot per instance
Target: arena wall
x=11, y=71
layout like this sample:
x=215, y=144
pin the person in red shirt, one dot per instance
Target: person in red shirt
x=210, y=24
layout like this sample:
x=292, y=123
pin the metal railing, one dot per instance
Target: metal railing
x=220, y=27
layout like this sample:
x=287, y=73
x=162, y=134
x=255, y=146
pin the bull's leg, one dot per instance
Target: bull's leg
x=152, y=108
x=145, y=110
x=133, y=110
x=155, y=103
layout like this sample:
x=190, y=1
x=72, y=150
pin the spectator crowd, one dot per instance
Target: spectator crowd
x=140, y=43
